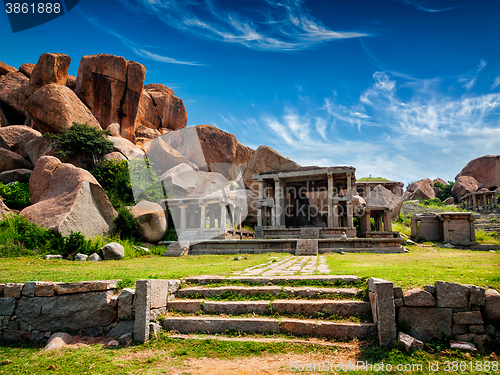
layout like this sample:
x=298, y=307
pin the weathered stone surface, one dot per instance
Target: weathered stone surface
x=3, y=208
x=93, y=332
x=398, y=292
x=163, y=157
x=15, y=175
x=67, y=312
x=44, y=289
x=13, y=290
x=159, y=293
x=451, y=294
x=81, y=257
x=3, y=118
x=381, y=293
x=410, y=344
x=382, y=197
x=29, y=289
x=94, y=258
x=241, y=290
x=121, y=328
x=463, y=186
x=66, y=198
x=50, y=68
x=125, y=303
x=151, y=219
x=27, y=69
x=10, y=160
x=111, y=87
x=4, y=68
x=147, y=114
x=417, y=297
x=398, y=302
x=486, y=170
x=449, y=201
x=12, y=97
x=476, y=296
x=53, y=256
x=36, y=148
x=180, y=181
x=236, y=307
x=468, y=317
x=477, y=329
x=54, y=108
x=114, y=129
x=58, y=340
x=431, y=289
x=348, y=331
x=422, y=189
x=174, y=114
x=343, y=308
x=491, y=308
x=118, y=156
x=173, y=286
x=15, y=138
x=71, y=82
x=190, y=306
x=458, y=329
x=142, y=310
x=113, y=251
x=15, y=336
x=126, y=147
x=426, y=323
x=7, y=305
x=85, y=286
x=212, y=325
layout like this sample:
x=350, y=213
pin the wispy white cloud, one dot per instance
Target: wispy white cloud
x=137, y=48
x=279, y=25
x=496, y=83
x=481, y=65
x=428, y=6
x=467, y=83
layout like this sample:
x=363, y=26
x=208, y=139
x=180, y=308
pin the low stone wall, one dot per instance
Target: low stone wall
x=32, y=311
x=461, y=312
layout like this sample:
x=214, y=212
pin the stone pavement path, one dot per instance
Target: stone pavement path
x=291, y=265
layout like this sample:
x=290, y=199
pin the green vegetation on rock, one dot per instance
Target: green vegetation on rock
x=15, y=195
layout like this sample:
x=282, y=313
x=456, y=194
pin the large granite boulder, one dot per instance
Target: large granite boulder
x=15, y=138
x=3, y=118
x=54, y=108
x=111, y=87
x=382, y=197
x=27, y=69
x=421, y=190
x=265, y=159
x=12, y=97
x=38, y=147
x=4, y=69
x=486, y=170
x=66, y=198
x=127, y=148
x=19, y=175
x=151, y=219
x=162, y=157
x=10, y=160
x=50, y=68
x=463, y=186
x=180, y=180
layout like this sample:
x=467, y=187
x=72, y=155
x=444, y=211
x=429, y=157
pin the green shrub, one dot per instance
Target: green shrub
x=77, y=243
x=146, y=183
x=443, y=190
x=170, y=235
x=127, y=224
x=16, y=195
x=83, y=141
x=113, y=176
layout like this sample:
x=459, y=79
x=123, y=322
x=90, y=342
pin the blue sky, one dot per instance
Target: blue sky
x=402, y=89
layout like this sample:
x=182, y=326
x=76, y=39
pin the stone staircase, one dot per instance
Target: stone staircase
x=330, y=307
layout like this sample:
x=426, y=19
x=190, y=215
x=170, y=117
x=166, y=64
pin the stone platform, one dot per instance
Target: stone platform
x=325, y=245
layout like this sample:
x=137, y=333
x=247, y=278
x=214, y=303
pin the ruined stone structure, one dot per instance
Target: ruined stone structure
x=364, y=187
x=383, y=224
x=284, y=211
x=480, y=200
x=452, y=227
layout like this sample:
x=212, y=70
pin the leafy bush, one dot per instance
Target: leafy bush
x=82, y=140
x=145, y=182
x=127, y=224
x=16, y=195
x=170, y=235
x=443, y=190
x=113, y=176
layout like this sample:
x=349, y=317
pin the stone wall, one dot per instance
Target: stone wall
x=461, y=312
x=32, y=311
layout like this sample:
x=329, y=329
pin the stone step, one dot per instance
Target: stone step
x=297, y=327
x=302, y=291
x=262, y=280
x=341, y=308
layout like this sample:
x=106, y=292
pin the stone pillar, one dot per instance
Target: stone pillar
x=414, y=229
x=183, y=215
x=379, y=222
x=474, y=201
x=279, y=201
x=331, y=213
x=349, y=189
x=142, y=310
x=350, y=222
x=203, y=215
x=222, y=222
x=472, y=229
x=191, y=217
x=239, y=217
x=381, y=294
x=387, y=221
x=446, y=229
x=273, y=215
x=364, y=222
x=259, y=209
x=335, y=215
x=212, y=216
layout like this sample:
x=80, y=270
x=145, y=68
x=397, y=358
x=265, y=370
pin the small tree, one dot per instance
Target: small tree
x=444, y=190
x=82, y=140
